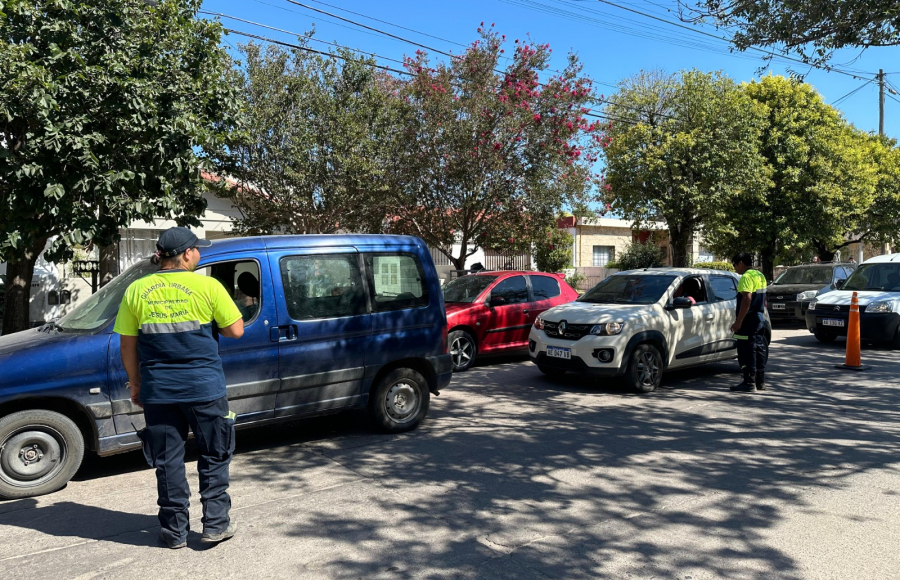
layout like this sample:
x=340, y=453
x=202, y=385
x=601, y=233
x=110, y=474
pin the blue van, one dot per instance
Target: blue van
x=331, y=323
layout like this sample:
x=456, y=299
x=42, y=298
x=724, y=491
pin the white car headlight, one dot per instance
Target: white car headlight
x=607, y=328
x=812, y=305
x=881, y=306
x=808, y=295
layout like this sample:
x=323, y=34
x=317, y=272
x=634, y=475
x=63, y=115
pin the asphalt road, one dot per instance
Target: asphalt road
x=517, y=476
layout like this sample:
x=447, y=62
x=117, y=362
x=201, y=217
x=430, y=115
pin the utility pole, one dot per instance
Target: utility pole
x=880, y=125
x=881, y=101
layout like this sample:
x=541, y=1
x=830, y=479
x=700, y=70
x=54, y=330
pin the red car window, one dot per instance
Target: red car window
x=545, y=287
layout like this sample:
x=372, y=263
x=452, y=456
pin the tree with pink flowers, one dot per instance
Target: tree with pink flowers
x=488, y=152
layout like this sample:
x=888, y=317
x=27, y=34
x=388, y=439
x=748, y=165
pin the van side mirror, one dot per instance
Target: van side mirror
x=679, y=303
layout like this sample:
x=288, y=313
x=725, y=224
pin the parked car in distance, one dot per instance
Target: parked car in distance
x=877, y=284
x=638, y=324
x=491, y=312
x=331, y=323
x=789, y=296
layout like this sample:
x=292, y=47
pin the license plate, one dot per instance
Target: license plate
x=557, y=352
x=777, y=306
x=832, y=322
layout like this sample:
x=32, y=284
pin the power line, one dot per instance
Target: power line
x=367, y=27
x=405, y=73
x=390, y=23
x=219, y=14
x=851, y=93
x=308, y=49
x=420, y=45
x=770, y=54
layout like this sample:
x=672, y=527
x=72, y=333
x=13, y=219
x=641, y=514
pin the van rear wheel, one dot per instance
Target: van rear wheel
x=399, y=402
x=40, y=451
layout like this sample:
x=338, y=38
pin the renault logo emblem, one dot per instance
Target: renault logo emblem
x=562, y=327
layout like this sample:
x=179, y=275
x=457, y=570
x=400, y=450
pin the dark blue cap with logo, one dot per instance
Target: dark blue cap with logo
x=175, y=241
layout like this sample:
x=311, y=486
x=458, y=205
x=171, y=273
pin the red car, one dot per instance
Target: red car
x=492, y=312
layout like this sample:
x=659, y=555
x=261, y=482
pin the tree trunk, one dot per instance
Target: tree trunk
x=109, y=264
x=679, y=243
x=767, y=260
x=19, y=275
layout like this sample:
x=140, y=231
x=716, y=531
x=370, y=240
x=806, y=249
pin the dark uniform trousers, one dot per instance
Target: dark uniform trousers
x=753, y=353
x=164, y=439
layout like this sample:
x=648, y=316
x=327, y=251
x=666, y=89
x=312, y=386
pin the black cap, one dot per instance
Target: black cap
x=175, y=241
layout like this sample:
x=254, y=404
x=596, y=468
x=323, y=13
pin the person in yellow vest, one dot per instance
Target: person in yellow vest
x=171, y=354
x=749, y=325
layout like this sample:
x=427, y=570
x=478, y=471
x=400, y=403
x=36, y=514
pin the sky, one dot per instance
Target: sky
x=612, y=42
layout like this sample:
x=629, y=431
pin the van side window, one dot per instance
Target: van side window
x=723, y=287
x=241, y=279
x=325, y=286
x=396, y=281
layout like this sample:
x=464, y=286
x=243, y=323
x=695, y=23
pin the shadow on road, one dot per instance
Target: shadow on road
x=68, y=519
x=575, y=476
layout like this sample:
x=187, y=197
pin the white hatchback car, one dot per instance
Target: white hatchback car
x=877, y=284
x=637, y=324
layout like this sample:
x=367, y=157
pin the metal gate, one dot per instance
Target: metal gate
x=494, y=260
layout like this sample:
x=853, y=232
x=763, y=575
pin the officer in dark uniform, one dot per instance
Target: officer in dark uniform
x=748, y=328
x=174, y=371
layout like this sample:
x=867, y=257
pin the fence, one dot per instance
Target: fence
x=594, y=275
x=494, y=260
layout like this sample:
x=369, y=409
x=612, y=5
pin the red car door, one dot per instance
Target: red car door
x=507, y=321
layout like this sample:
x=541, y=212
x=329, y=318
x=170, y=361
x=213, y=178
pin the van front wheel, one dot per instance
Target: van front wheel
x=40, y=451
x=399, y=402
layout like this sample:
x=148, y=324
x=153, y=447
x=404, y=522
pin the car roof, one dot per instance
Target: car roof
x=507, y=273
x=370, y=241
x=665, y=270
x=884, y=258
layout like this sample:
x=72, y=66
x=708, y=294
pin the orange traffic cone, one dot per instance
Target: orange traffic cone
x=853, y=361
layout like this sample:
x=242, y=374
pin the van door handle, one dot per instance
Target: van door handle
x=283, y=333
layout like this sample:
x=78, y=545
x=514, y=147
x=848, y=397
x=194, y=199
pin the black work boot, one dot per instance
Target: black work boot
x=746, y=386
x=761, y=381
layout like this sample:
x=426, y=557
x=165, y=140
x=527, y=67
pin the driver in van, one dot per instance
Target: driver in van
x=174, y=371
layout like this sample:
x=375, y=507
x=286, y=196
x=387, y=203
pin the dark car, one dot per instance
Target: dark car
x=331, y=323
x=788, y=297
x=492, y=312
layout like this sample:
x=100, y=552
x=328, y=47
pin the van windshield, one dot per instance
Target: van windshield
x=804, y=276
x=98, y=310
x=878, y=276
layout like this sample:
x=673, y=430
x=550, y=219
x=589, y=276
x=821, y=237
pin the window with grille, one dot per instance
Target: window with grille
x=603, y=255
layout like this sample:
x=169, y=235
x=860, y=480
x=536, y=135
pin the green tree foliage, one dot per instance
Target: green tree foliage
x=715, y=266
x=488, y=157
x=682, y=146
x=822, y=180
x=811, y=29
x=880, y=221
x=109, y=110
x=639, y=255
x=316, y=149
x=553, y=253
